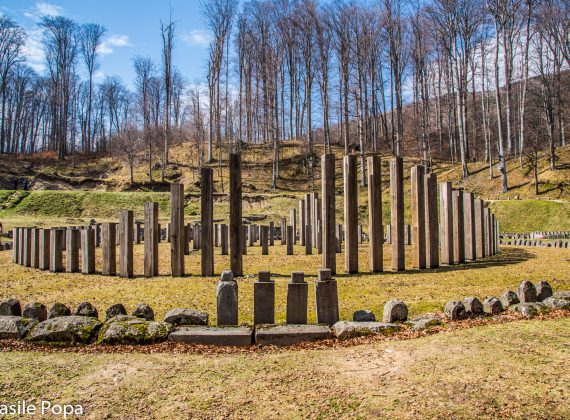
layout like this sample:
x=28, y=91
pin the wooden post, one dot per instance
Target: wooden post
x=151, y=234
x=87, y=251
x=290, y=241
x=375, y=228
x=21, y=245
x=479, y=228
x=44, y=249
x=293, y=221
x=56, y=250
x=431, y=223
x=15, y=244
x=458, y=228
x=328, y=211
x=264, y=240
x=27, y=247
x=271, y=233
x=283, y=231
x=207, y=220
x=126, y=244
x=302, y=221
x=486, y=221
x=243, y=239
x=469, y=225
x=397, y=212
x=308, y=240
x=418, y=217
x=446, y=223
x=224, y=239
x=35, y=246
x=236, y=259
x=109, y=248
x=177, y=229
x=350, y=214
x=72, y=237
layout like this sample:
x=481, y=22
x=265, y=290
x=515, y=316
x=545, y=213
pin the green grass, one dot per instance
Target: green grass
x=530, y=215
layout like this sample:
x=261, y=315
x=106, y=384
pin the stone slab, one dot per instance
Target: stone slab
x=286, y=335
x=213, y=336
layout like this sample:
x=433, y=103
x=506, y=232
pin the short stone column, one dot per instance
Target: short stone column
x=87, y=251
x=328, y=212
x=109, y=248
x=297, y=297
x=126, y=244
x=469, y=225
x=35, y=248
x=431, y=222
x=72, y=237
x=326, y=298
x=308, y=240
x=264, y=299
x=290, y=240
x=56, y=250
x=418, y=217
x=151, y=236
x=375, y=228
x=224, y=239
x=397, y=213
x=458, y=228
x=44, y=261
x=446, y=223
x=264, y=240
x=227, y=300
x=293, y=221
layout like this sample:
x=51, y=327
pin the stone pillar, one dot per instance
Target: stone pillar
x=316, y=217
x=35, y=248
x=109, y=247
x=264, y=298
x=431, y=222
x=397, y=213
x=458, y=228
x=177, y=230
x=290, y=240
x=56, y=250
x=418, y=217
x=308, y=240
x=293, y=221
x=283, y=231
x=446, y=223
x=326, y=298
x=297, y=297
x=479, y=228
x=44, y=262
x=27, y=247
x=227, y=300
x=207, y=221
x=87, y=251
x=302, y=221
x=264, y=240
x=236, y=260
x=319, y=238
x=375, y=228
x=224, y=239
x=328, y=211
x=151, y=236
x=338, y=237
x=350, y=214
x=469, y=226
x=126, y=244
x=72, y=237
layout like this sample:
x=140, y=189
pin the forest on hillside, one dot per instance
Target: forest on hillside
x=462, y=80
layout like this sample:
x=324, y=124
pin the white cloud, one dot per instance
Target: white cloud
x=108, y=45
x=43, y=9
x=33, y=49
x=200, y=37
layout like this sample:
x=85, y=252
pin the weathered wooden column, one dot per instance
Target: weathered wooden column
x=431, y=224
x=21, y=245
x=458, y=228
x=138, y=232
x=469, y=225
x=397, y=212
x=236, y=259
x=126, y=244
x=196, y=236
x=302, y=221
x=283, y=227
x=497, y=236
x=87, y=251
x=56, y=250
x=446, y=223
x=308, y=240
x=207, y=220
x=72, y=237
x=316, y=210
x=375, y=228
x=328, y=211
x=151, y=234
x=224, y=239
x=487, y=220
x=251, y=235
x=418, y=217
x=264, y=240
x=27, y=247
x=109, y=248
x=479, y=228
x=492, y=230
x=44, y=249
x=290, y=240
x=350, y=214
x=271, y=233
x=293, y=222
x=177, y=229
x=35, y=248
x=187, y=236
x=243, y=239
x=15, y=244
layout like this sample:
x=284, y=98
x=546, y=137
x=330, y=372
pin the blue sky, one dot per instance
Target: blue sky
x=133, y=28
